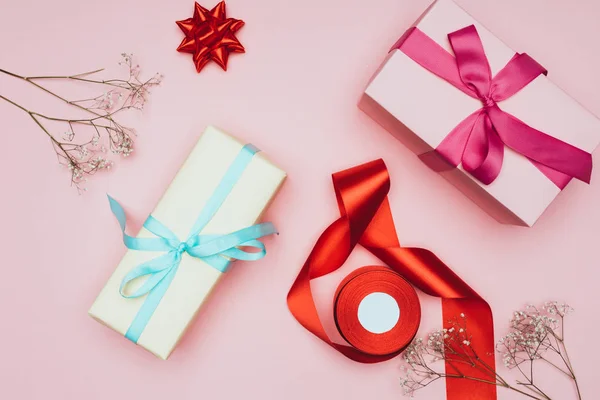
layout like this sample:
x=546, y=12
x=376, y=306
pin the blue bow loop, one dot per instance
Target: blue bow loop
x=156, y=270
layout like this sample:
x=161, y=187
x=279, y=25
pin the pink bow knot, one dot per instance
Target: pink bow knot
x=488, y=101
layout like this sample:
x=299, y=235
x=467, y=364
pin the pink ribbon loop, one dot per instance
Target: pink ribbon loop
x=478, y=141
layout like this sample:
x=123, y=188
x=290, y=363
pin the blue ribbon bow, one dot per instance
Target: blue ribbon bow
x=216, y=250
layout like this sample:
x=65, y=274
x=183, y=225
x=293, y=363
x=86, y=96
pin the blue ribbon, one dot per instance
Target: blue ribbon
x=216, y=250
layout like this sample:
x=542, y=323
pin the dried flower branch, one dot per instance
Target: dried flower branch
x=83, y=142
x=536, y=336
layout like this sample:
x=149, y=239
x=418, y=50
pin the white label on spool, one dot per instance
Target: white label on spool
x=378, y=312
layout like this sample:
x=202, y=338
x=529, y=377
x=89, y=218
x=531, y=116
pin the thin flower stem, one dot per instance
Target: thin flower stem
x=567, y=361
x=14, y=104
x=507, y=386
x=32, y=115
x=557, y=367
x=54, y=141
x=488, y=367
x=535, y=389
x=70, y=121
x=78, y=77
x=62, y=98
x=109, y=82
x=30, y=80
x=11, y=74
x=514, y=389
x=470, y=378
x=83, y=156
x=73, y=121
x=51, y=76
x=87, y=73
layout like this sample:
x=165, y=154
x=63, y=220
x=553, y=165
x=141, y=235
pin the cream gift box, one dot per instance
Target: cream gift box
x=421, y=109
x=178, y=209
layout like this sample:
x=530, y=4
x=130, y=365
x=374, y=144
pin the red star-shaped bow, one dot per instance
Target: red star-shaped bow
x=209, y=35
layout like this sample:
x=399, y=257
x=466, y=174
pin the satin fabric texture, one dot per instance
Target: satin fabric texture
x=210, y=35
x=347, y=300
x=366, y=219
x=218, y=251
x=478, y=141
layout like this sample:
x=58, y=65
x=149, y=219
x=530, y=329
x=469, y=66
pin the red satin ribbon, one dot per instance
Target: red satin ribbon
x=478, y=141
x=354, y=288
x=366, y=218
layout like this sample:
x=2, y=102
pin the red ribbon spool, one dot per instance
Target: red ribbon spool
x=366, y=219
x=350, y=293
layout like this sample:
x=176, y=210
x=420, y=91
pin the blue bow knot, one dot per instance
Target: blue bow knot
x=182, y=248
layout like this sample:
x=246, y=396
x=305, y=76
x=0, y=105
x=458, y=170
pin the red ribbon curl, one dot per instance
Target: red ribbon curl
x=366, y=219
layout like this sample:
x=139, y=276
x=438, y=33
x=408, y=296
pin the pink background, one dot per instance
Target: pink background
x=293, y=94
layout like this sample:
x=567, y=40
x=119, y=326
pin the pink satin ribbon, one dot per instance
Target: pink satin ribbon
x=478, y=141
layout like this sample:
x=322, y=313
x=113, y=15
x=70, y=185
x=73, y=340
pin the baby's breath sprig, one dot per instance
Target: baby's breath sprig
x=536, y=335
x=82, y=144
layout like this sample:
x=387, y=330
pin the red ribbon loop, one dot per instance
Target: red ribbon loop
x=366, y=219
x=478, y=141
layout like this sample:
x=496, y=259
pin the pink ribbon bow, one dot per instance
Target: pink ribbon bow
x=478, y=141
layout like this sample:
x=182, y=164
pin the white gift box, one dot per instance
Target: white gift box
x=178, y=209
